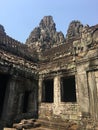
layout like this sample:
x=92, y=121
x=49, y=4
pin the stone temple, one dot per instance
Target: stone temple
x=51, y=78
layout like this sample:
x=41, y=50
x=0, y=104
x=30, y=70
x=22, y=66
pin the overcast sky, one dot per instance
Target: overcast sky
x=20, y=17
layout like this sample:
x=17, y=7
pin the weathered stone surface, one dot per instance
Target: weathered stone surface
x=2, y=30
x=15, y=47
x=26, y=124
x=95, y=36
x=45, y=36
x=47, y=56
x=74, y=30
x=9, y=129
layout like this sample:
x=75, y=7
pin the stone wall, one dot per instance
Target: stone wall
x=15, y=47
x=49, y=57
x=18, y=81
x=77, y=57
x=20, y=100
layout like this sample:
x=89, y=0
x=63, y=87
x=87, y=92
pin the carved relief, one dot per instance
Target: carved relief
x=45, y=36
x=86, y=38
x=74, y=29
x=95, y=36
x=86, y=41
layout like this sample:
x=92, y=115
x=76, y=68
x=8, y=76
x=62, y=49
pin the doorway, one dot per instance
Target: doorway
x=3, y=83
x=47, y=91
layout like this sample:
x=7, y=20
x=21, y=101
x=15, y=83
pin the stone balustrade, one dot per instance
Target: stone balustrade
x=13, y=46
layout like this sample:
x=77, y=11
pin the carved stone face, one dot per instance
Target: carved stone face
x=95, y=36
x=74, y=29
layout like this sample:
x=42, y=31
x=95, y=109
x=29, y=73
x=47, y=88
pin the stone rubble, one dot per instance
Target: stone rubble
x=26, y=124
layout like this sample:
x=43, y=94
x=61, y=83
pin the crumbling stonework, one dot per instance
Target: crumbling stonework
x=74, y=30
x=45, y=36
x=51, y=77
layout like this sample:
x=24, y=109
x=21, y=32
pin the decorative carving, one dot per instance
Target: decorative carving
x=45, y=36
x=86, y=41
x=86, y=38
x=74, y=29
x=95, y=36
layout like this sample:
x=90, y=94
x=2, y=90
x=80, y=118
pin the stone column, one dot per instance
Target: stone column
x=82, y=88
x=11, y=100
x=20, y=103
x=93, y=95
x=40, y=91
x=57, y=90
x=32, y=101
x=39, y=96
x=57, y=93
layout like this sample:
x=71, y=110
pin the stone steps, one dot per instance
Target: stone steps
x=39, y=128
x=59, y=125
x=26, y=124
x=32, y=124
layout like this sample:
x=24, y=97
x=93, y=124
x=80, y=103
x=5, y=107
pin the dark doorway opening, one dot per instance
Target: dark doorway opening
x=25, y=101
x=47, y=91
x=3, y=84
x=68, y=89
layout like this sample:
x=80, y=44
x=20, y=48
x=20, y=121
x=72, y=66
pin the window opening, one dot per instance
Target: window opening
x=47, y=91
x=68, y=89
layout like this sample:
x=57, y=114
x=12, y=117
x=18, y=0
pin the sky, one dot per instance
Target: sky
x=20, y=17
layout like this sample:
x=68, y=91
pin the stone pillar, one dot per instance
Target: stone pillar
x=35, y=99
x=11, y=100
x=93, y=95
x=57, y=90
x=32, y=102
x=57, y=97
x=20, y=103
x=39, y=96
x=82, y=88
x=40, y=91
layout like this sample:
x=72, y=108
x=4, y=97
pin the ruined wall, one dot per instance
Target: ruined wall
x=57, y=67
x=51, y=76
x=57, y=109
x=77, y=57
x=18, y=81
x=45, y=35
